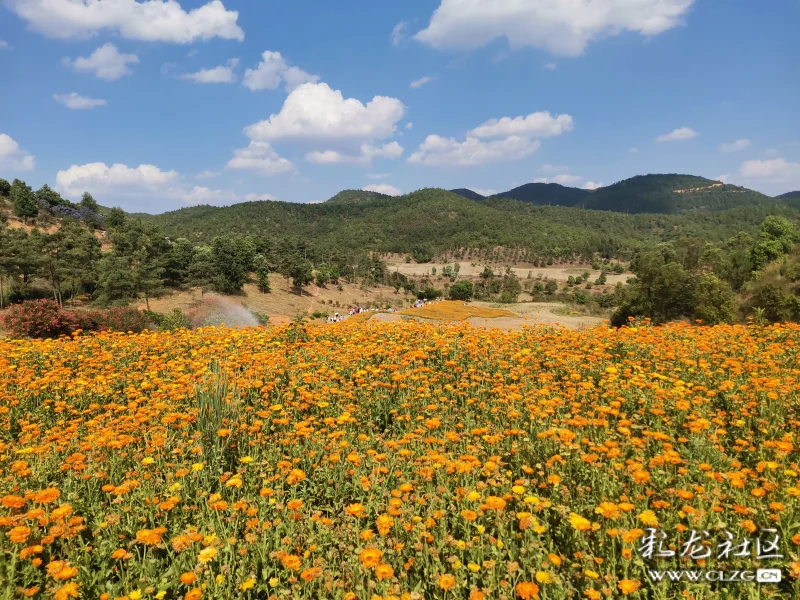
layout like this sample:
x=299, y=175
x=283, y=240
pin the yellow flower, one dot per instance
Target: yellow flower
x=543, y=577
x=135, y=595
x=274, y=581
x=146, y=461
x=207, y=554
x=648, y=517
x=518, y=489
x=473, y=567
x=578, y=522
x=161, y=594
x=197, y=467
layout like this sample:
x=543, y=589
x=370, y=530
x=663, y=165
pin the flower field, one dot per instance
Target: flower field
x=404, y=460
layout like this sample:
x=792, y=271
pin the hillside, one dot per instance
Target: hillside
x=351, y=196
x=441, y=221
x=666, y=194
x=790, y=195
x=468, y=194
x=545, y=194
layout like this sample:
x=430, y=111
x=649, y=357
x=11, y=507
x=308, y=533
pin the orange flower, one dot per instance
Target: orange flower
x=628, y=586
x=19, y=534
x=193, y=594
x=119, y=553
x=150, y=537
x=447, y=582
x=294, y=504
x=291, y=562
x=384, y=524
x=356, y=510
x=12, y=501
x=310, y=574
x=527, y=589
x=47, y=496
x=469, y=515
x=60, y=570
x=370, y=557
x=68, y=590
x=188, y=578
x=578, y=522
x=384, y=571
x=495, y=503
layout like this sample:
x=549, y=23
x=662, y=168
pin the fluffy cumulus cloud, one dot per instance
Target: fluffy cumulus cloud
x=13, y=157
x=106, y=63
x=367, y=153
x=272, y=71
x=78, y=102
x=261, y=158
x=383, y=188
x=221, y=74
x=538, y=124
x=441, y=151
x=418, y=83
x=678, y=135
x=562, y=27
x=592, y=185
x=149, y=20
x=135, y=185
x=314, y=111
x=776, y=169
x=735, y=146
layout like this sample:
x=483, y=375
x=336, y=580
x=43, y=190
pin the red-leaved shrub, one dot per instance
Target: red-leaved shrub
x=45, y=318
x=39, y=319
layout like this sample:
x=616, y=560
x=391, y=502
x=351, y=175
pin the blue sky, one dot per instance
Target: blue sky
x=161, y=104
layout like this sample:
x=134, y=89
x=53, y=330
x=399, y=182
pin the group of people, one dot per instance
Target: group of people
x=356, y=310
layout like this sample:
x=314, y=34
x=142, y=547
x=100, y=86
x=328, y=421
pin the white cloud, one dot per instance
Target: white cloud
x=562, y=27
x=106, y=63
x=592, y=185
x=377, y=175
x=260, y=157
x=439, y=151
x=100, y=178
x=418, y=83
x=150, y=20
x=735, y=146
x=272, y=70
x=78, y=102
x=139, y=183
x=221, y=74
x=383, y=188
x=367, y=153
x=678, y=135
x=538, y=124
x=409, y=125
x=724, y=178
x=551, y=66
x=259, y=197
x=315, y=111
x=13, y=157
x=562, y=179
x=399, y=33
x=485, y=193
x=776, y=169
x=207, y=174
x=201, y=195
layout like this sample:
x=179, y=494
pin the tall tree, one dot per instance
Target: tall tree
x=24, y=200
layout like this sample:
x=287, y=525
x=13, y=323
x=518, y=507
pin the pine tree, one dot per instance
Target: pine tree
x=25, y=205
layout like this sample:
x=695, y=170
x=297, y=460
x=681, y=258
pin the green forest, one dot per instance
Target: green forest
x=717, y=254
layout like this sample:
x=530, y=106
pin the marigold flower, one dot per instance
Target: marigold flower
x=47, y=496
x=527, y=590
x=370, y=557
x=446, y=582
x=628, y=586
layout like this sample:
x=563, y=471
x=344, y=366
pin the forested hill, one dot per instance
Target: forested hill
x=790, y=195
x=672, y=194
x=438, y=220
x=352, y=196
x=545, y=194
x=658, y=194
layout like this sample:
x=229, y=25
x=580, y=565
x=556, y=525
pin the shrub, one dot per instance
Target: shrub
x=461, y=290
x=39, y=319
